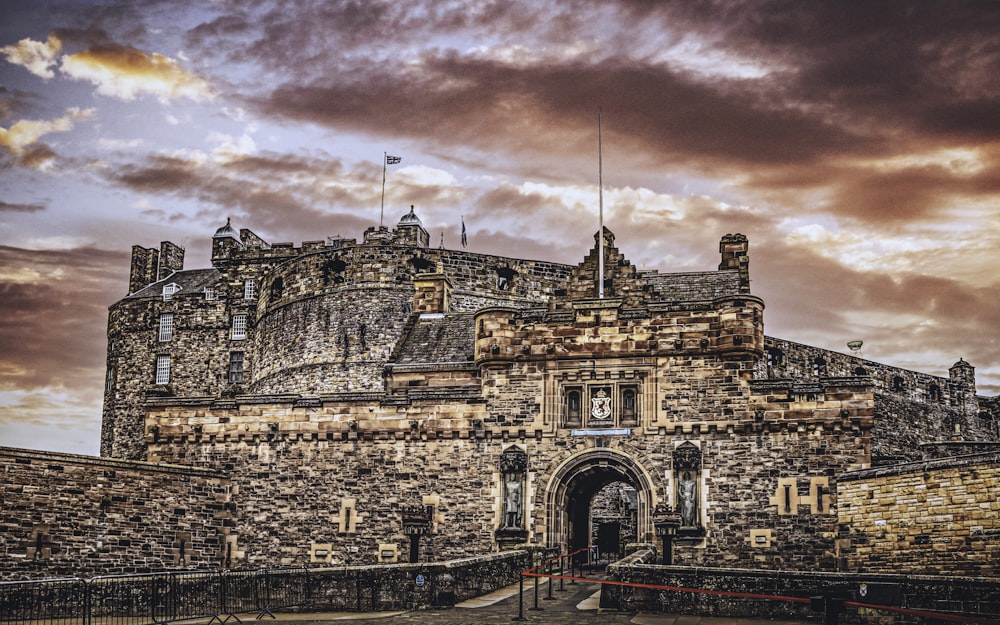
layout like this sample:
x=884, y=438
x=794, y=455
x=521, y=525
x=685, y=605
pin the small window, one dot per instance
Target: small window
x=169, y=290
x=775, y=358
x=897, y=384
x=819, y=367
x=236, y=367
x=239, y=327
x=277, y=289
x=249, y=289
x=163, y=369
x=573, y=412
x=166, y=326
x=934, y=393
x=505, y=278
x=210, y=294
x=628, y=405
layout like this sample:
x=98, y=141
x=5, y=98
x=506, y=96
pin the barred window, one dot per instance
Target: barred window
x=163, y=369
x=210, y=293
x=166, y=326
x=236, y=367
x=239, y=327
x=249, y=288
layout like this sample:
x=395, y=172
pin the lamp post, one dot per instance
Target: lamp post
x=416, y=523
x=666, y=522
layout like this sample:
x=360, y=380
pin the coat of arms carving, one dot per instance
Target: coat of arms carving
x=600, y=406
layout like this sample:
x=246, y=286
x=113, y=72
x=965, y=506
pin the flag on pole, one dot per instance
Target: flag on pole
x=465, y=238
x=386, y=160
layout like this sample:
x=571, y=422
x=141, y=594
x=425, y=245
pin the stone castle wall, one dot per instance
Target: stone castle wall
x=69, y=515
x=323, y=318
x=304, y=470
x=938, y=517
x=911, y=413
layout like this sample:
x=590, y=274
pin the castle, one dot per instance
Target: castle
x=385, y=401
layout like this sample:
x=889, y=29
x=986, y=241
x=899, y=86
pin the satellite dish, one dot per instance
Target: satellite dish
x=855, y=346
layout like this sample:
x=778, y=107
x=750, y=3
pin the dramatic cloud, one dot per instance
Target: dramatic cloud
x=127, y=73
x=857, y=145
x=35, y=56
x=26, y=132
x=53, y=303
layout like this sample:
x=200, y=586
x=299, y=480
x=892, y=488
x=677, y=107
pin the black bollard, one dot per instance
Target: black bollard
x=536, y=608
x=520, y=601
x=562, y=559
x=549, y=596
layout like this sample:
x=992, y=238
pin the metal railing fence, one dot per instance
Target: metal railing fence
x=155, y=598
x=57, y=601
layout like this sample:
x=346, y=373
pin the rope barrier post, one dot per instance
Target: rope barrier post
x=520, y=600
x=562, y=560
x=536, y=607
x=572, y=569
x=548, y=568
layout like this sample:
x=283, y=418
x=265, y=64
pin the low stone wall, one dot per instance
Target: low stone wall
x=412, y=586
x=976, y=596
x=66, y=515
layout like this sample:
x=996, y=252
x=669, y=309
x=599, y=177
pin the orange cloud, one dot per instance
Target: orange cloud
x=127, y=73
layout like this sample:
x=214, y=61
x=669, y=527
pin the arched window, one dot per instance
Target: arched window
x=934, y=393
x=897, y=384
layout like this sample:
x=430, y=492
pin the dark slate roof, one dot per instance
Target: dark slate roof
x=692, y=287
x=191, y=282
x=437, y=339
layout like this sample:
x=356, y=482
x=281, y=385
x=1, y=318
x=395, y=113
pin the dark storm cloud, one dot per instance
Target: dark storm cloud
x=279, y=194
x=54, y=303
x=500, y=107
x=924, y=67
x=840, y=85
x=20, y=208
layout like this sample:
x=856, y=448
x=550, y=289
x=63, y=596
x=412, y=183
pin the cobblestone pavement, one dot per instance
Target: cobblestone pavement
x=576, y=605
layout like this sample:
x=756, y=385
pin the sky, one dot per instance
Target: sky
x=856, y=144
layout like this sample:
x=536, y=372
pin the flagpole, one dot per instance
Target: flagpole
x=600, y=203
x=381, y=214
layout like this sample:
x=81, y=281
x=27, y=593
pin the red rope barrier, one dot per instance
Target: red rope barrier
x=745, y=595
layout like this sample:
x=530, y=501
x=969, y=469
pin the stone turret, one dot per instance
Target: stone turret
x=963, y=387
x=410, y=231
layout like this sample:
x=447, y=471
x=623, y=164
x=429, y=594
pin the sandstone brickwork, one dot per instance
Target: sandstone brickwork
x=938, y=516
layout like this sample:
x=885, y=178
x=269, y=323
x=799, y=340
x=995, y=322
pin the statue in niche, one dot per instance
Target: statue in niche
x=686, y=493
x=513, y=471
x=512, y=505
x=687, y=466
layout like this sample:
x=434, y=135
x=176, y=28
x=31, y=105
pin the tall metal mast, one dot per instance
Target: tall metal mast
x=600, y=204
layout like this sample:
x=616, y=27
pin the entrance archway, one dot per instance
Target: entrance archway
x=571, y=490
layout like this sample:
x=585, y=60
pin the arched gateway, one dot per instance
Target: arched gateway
x=571, y=489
